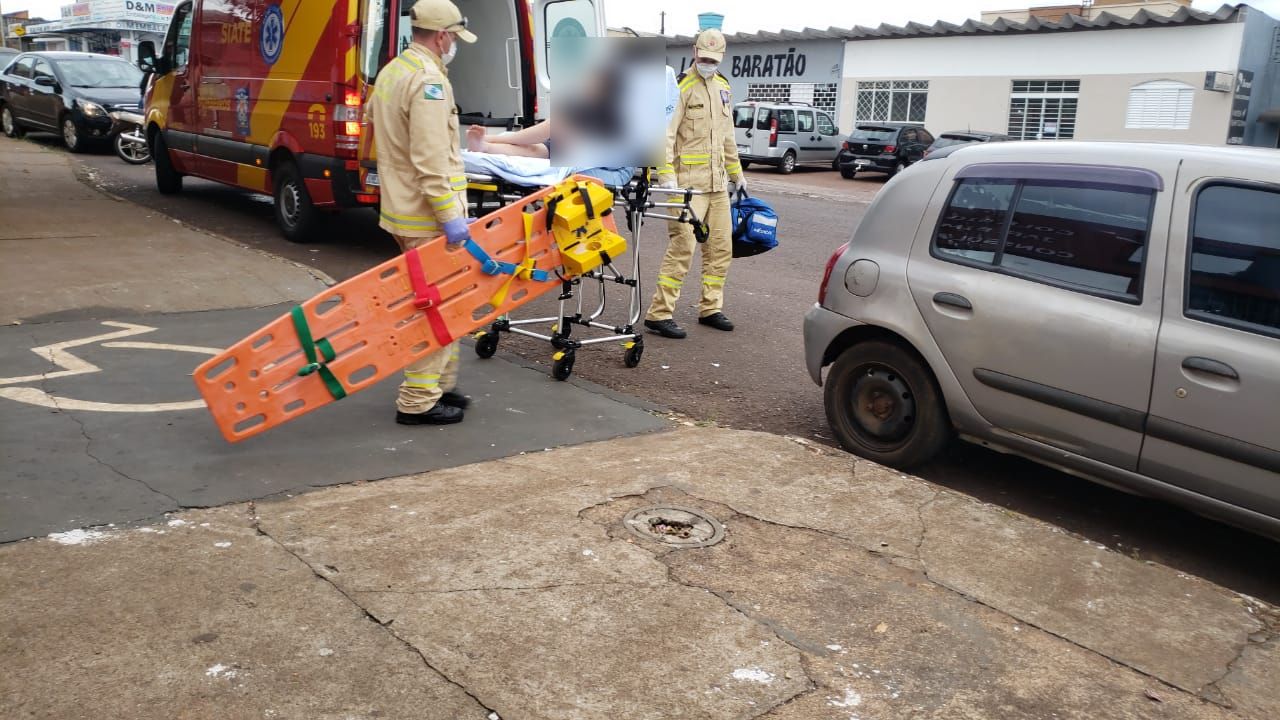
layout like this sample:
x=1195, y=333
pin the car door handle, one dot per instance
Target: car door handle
x=1210, y=367
x=953, y=300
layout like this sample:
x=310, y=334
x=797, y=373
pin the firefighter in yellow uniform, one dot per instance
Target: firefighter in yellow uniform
x=701, y=155
x=415, y=126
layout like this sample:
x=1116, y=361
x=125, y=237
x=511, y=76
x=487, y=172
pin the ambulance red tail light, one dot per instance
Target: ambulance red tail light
x=773, y=132
x=347, y=119
x=826, y=274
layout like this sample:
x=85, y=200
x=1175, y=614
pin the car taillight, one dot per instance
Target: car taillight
x=891, y=148
x=826, y=275
x=346, y=118
x=773, y=133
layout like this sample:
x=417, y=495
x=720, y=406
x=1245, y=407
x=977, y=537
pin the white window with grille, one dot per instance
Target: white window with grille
x=892, y=101
x=824, y=96
x=1160, y=105
x=1043, y=109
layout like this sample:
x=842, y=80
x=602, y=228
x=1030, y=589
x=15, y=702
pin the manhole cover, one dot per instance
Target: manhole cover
x=674, y=525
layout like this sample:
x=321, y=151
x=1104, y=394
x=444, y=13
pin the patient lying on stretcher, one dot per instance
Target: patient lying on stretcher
x=523, y=156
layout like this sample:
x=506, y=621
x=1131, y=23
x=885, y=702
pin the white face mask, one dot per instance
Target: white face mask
x=708, y=70
x=451, y=53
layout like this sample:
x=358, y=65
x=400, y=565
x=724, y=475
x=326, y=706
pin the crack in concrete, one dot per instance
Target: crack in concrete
x=1212, y=691
x=88, y=450
x=500, y=588
x=924, y=569
x=257, y=527
x=790, y=638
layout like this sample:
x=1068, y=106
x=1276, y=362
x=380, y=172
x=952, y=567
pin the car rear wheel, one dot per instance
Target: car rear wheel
x=10, y=123
x=746, y=164
x=71, y=135
x=295, y=214
x=883, y=403
x=897, y=168
x=848, y=173
x=168, y=179
x=788, y=163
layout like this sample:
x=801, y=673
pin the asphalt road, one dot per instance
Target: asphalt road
x=754, y=378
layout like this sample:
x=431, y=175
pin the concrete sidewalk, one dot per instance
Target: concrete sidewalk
x=518, y=589
x=71, y=252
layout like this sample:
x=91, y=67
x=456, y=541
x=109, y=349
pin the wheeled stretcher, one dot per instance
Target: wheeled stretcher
x=636, y=200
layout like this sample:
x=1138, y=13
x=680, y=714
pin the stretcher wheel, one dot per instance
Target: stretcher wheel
x=563, y=366
x=634, y=353
x=486, y=344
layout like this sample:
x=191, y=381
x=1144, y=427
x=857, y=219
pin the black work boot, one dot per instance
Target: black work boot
x=439, y=414
x=717, y=321
x=455, y=399
x=666, y=328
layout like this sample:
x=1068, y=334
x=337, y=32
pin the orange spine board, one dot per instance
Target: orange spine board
x=373, y=324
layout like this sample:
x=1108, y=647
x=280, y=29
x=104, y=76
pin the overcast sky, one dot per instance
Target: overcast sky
x=753, y=15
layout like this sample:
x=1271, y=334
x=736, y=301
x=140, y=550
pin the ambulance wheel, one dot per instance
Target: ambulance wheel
x=486, y=345
x=563, y=367
x=295, y=214
x=634, y=353
x=788, y=163
x=168, y=179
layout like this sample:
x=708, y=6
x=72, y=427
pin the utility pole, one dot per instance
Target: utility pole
x=663, y=23
x=4, y=30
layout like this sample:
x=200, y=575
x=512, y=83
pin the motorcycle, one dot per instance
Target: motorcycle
x=127, y=138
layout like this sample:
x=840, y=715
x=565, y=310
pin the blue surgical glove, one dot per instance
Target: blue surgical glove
x=456, y=232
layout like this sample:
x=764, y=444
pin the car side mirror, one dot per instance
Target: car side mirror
x=147, y=56
x=46, y=81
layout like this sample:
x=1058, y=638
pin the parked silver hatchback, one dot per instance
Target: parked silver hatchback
x=1111, y=310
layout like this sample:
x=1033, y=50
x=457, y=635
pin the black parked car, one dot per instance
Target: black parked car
x=882, y=147
x=964, y=137
x=69, y=93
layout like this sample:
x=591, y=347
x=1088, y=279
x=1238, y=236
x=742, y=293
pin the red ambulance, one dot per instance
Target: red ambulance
x=268, y=95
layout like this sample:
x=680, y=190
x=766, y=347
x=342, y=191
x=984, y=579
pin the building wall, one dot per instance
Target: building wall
x=808, y=70
x=970, y=78
x=1259, y=54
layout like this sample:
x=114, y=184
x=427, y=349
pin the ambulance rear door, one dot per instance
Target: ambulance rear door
x=561, y=18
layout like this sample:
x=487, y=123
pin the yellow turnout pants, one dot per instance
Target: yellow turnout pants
x=713, y=208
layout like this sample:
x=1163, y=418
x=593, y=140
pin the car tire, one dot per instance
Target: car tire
x=787, y=164
x=71, y=136
x=848, y=173
x=10, y=123
x=168, y=179
x=897, y=168
x=883, y=404
x=746, y=164
x=295, y=213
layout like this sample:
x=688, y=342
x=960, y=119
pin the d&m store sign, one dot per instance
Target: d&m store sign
x=746, y=64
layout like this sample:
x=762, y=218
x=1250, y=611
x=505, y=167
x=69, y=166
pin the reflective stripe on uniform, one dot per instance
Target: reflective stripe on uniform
x=420, y=380
x=666, y=170
x=688, y=82
x=410, y=222
x=713, y=280
x=695, y=158
x=458, y=183
x=723, y=83
x=669, y=282
x=733, y=168
x=444, y=203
